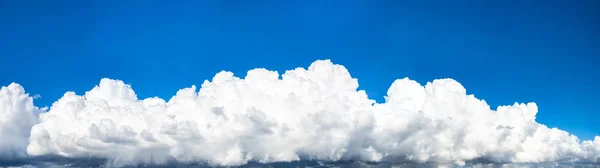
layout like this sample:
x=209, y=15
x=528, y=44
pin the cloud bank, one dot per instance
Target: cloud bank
x=303, y=114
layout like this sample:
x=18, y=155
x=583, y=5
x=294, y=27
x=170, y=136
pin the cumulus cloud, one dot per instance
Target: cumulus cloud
x=439, y=122
x=303, y=114
x=17, y=116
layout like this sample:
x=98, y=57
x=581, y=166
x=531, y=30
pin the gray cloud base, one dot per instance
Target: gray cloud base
x=304, y=114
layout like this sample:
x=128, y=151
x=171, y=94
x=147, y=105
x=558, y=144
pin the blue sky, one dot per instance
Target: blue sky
x=501, y=51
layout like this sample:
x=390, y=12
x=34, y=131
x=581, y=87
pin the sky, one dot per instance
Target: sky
x=501, y=51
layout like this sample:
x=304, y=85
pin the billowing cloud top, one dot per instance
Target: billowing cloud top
x=315, y=113
x=17, y=116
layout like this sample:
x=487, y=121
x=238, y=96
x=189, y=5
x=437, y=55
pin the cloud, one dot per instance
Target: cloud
x=303, y=114
x=37, y=96
x=439, y=122
x=17, y=116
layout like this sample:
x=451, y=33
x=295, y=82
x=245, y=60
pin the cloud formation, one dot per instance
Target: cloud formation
x=17, y=116
x=303, y=114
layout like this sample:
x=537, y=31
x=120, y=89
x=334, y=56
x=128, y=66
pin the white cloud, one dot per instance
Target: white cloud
x=17, y=115
x=314, y=113
x=439, y=122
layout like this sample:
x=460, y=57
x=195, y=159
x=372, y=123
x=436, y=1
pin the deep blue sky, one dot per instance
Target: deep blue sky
x=501, y=51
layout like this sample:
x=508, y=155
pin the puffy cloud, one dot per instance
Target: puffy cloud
x=315, y=113
x=17, y=116
x=303, y=114
x=439, y=122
